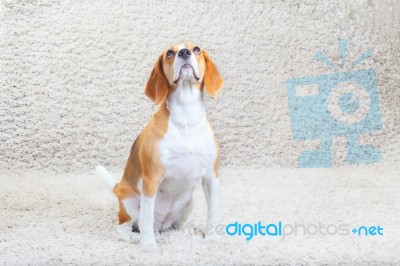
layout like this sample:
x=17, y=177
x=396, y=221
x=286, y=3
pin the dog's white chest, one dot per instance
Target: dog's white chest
x=188, y=149
x=187, y=153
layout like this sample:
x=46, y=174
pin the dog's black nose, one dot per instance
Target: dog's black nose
x=184, y=53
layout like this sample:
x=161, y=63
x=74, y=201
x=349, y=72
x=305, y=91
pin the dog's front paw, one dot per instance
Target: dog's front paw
x=148, y=242
x=148, y=246
x=211, y=232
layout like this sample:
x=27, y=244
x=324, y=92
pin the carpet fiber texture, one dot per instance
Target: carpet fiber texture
x=72, y=74
x=71, y=219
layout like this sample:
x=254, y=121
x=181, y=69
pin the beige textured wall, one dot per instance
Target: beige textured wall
x=72, y=74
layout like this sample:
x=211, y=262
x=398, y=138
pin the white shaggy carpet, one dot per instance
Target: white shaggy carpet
x=71, y=219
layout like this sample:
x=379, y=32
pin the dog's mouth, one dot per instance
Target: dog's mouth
x=186, y=66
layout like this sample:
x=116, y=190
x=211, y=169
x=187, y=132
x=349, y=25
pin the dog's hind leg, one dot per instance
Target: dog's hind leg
x=128, y=214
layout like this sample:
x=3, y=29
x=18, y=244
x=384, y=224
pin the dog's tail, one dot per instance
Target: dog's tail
x=108, y=179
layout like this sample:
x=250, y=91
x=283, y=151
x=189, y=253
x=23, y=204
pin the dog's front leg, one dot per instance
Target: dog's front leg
x=211, y=192
x=146, y=216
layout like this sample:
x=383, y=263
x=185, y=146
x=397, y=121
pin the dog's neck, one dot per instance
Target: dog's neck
x=185, y=105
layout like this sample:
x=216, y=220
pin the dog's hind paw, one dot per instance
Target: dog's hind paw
x=125, y=231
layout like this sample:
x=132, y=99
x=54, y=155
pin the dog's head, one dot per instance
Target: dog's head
x=185, y=62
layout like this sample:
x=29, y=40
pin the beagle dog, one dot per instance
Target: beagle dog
x=176, y=149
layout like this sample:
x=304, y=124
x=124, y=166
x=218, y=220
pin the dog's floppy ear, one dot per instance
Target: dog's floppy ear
x=157, y=85
x=213, y=81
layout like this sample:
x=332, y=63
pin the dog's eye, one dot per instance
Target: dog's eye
x=170, y=53
x=196, y=50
